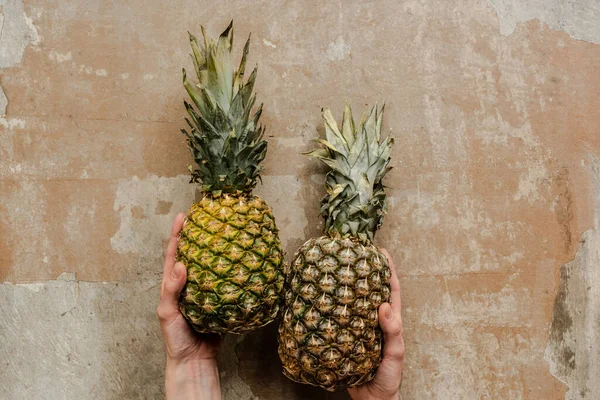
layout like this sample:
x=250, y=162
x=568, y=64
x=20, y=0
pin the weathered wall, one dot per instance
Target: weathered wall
x=495, y=193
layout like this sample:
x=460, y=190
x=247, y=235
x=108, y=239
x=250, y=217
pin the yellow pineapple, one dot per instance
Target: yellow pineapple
x=229, y=242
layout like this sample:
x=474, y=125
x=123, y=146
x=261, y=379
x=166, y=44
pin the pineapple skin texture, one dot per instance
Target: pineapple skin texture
x=232, y=252
x=330, y=336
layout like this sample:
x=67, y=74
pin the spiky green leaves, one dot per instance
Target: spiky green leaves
x=355, y=202
x=225, y=138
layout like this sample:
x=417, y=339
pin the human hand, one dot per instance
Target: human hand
x=191, y=371
x=386, y=383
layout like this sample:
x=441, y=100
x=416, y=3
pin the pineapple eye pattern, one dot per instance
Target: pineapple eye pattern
x=330, y=336
x=235, y=285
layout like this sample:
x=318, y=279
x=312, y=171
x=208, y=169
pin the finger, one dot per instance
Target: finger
x=391, y=325
x=395, y=296
x=172, y=285
x=172, y=246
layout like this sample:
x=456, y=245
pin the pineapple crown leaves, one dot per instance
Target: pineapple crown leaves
x=224, y=137
x=355, y=202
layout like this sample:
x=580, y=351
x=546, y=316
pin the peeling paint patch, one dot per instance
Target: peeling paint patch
x=60, y=57
x=269, y=43
x=3, y=103
x=136, y=197
x=11, y=123
x=572, y=351
x=338, y=50
x=16, y=33
x=530, y=182
x=577, y=18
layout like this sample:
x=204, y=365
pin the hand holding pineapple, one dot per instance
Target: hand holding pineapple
x=386, y=383
x=191, y=358
x=330, y=335
x=230, y=274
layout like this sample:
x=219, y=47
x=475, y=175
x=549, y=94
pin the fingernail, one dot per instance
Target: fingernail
x=388, y=313
x=176, y=270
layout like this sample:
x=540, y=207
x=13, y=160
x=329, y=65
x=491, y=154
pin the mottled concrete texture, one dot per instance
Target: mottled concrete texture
x=494, y=217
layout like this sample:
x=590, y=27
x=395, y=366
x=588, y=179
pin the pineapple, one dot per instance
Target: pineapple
x=329, y=335
x=229, y=242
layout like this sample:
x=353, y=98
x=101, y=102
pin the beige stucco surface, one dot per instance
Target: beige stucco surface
x=494, y=219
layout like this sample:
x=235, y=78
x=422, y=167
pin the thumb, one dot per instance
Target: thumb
x=171, y=288
x=391, y=325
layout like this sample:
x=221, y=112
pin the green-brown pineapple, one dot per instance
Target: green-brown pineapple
x=229, y=242
x=330, y=335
